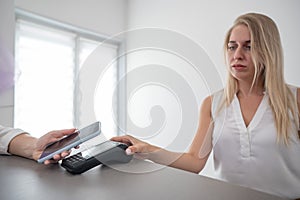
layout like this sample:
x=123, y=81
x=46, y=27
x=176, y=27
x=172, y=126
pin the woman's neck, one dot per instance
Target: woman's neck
x=249, y=90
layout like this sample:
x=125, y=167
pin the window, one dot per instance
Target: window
x=48, y=61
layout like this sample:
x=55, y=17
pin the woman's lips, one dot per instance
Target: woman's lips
x=238, y=66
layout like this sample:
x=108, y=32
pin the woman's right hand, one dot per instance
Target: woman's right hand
x=136, y=147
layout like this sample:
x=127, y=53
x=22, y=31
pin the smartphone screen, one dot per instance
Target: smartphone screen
x=70, y=141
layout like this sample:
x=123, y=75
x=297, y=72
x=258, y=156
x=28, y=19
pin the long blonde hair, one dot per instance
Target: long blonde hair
x=267, y=55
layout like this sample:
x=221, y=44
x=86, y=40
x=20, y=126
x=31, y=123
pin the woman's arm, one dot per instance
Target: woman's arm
x=194, y=160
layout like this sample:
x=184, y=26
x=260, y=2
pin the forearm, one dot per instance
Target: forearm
x=22, y=145
x=184, y=161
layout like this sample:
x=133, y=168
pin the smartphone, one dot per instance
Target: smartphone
x=106, y=153
x=70, y=141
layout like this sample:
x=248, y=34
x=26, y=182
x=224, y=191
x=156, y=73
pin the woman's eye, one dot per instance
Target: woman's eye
x=248, y=47
x=231, y=48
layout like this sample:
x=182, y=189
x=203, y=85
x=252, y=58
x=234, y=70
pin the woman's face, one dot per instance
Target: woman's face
x=239, y=54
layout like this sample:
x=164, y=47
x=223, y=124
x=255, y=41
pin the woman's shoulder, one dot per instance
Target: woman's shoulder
x=218, y=95
x=212, y=101
x=213, y=96
x=295, y=90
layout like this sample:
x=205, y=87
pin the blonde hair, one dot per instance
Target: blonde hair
x=267, y=56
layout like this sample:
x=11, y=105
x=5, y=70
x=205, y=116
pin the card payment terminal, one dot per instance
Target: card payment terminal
x=106, y=153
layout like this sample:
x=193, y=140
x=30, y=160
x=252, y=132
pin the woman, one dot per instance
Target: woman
x=252, y=125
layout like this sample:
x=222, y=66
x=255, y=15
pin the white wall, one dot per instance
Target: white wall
x=207, y=21
x=7, y=32
x=102, y=16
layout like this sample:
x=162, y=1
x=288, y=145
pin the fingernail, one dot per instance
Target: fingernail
x=128, y=151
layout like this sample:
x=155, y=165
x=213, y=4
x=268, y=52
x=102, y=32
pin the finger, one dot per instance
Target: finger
x=133, y=149
x=47, y=162
x=64, y=132
x=129, y=151
x=56, y=157
x=65, y=154
x=50, y=161
x=54, y=136
x=125, y=139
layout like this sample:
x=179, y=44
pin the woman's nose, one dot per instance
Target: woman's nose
x=238, y=54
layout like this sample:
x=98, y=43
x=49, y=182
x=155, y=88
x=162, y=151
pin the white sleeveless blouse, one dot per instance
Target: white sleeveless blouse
x=250, y=156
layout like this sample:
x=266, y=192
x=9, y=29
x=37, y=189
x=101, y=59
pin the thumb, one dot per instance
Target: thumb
x=130, y=150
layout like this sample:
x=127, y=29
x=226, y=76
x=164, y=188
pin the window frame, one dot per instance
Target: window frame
x=23, y=15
